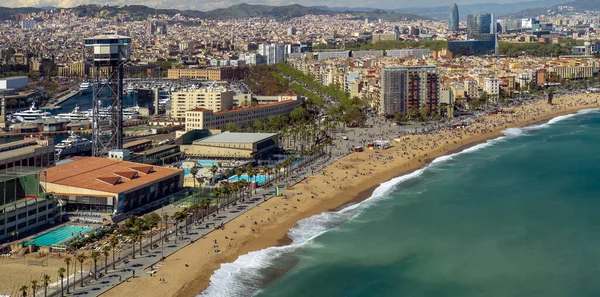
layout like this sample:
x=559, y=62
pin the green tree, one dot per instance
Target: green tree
x=45, y=283
x=24, y=290
x=80, y=258
x=61, y=274
x=34, y=286
x=194, y=171
x=68, y=263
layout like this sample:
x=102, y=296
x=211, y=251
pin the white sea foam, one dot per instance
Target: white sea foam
x=242, y=277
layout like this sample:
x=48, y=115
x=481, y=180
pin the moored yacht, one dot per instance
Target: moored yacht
x=85, y=87
x=73, y=145
x=74, y=115
x=31, y=114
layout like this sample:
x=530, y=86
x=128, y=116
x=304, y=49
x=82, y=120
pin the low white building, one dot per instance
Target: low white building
x=14, y=82
x=491, y=86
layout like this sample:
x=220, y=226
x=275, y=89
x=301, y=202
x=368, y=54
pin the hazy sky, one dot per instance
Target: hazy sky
x=212, y=4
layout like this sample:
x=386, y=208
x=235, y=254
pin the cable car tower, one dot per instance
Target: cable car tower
x=107, y=55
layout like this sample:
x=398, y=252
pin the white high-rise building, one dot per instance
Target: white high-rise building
x=273, y=53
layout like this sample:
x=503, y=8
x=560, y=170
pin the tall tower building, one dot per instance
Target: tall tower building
x=409, y=88
x=453, y=20
x=478, y=24
x=482, y=27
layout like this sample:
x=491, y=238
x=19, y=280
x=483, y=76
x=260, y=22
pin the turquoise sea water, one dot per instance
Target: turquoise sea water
x=515, y=216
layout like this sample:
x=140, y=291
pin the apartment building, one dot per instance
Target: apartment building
x=202, y=118
x=211, y=98
x=215, y=73
x=409, y=88
x=491, y=86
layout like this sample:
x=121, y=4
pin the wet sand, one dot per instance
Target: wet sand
x=349, y=180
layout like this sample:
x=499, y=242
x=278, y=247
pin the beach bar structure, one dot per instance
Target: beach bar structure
x=233, y=145
x=381, y=144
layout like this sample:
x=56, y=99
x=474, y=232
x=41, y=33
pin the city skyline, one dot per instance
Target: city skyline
x=210, y=5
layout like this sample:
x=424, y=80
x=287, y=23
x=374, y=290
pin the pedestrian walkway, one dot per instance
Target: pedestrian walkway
x=128, y=267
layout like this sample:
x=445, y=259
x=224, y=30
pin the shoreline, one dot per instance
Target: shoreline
x=197, y=280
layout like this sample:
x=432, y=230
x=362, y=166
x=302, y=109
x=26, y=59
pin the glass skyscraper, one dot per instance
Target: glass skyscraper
x=453, y=19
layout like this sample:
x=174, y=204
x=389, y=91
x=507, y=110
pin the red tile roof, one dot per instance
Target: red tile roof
x=101, y=174
x=127, y=174
x=111, y=180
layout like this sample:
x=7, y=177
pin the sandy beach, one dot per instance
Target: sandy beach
x=350, y=179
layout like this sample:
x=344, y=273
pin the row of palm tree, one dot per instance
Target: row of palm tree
x=35, y=285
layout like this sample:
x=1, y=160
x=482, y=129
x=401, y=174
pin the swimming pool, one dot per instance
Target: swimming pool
x=260, y=179
x=58, y=235
x=207, y=163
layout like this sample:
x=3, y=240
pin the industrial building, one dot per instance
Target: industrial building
x=14, y=83
x=24, y=206
x=202, y=118
x=31, y=151
x=110, y=186
x=233, y=145
x=215, y=98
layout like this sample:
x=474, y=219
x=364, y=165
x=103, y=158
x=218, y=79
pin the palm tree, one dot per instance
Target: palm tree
x=217, y=192
x=68, y=263
x=213, y=170
x=61, y=274
x=45, y=283
x=134, y=236
x=94, y=255
x=205, y=205
x=114, y=242
x=166, y=219
x=251, y=173
x=34, y=286
x=106, y=252
x=80, y=259
x=24, y=290
x=176, y=217
x=227, y=191
x=194, y=171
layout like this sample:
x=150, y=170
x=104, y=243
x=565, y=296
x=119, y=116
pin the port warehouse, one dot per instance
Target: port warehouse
x=31, y=151
x=14, y=83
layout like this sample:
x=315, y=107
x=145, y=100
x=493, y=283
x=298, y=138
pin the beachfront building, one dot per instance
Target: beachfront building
x=409, y=88
x=233, y=145
x=24, y=206
x=576, y=72
x=110, y=185
x=215, y=98
x=491, y=86
x=202, y=118
x=213, y=73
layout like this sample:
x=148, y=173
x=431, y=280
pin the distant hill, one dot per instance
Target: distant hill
x=7, y=13
x=442, y=12
x=239, y=11
x=578, y=6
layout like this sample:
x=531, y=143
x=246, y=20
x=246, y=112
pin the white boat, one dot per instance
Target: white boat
x=129, y=113
x=73, y=145
x=85, y=87
x=74, y=115
x=31, y=114
x=130, y=89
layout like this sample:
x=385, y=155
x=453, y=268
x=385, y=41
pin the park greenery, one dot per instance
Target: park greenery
x=265, y=81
